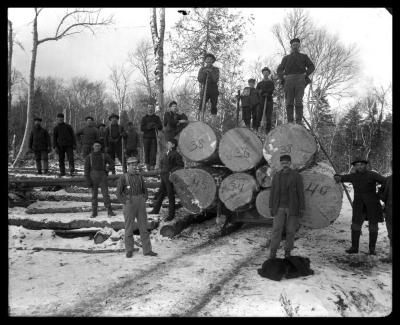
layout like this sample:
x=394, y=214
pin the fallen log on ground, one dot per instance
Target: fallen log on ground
x=76, y=209
x=240, y=149
x=264, y=176
x=76, y=250
x=55, y=196
x=81, y=232
x=290, y=139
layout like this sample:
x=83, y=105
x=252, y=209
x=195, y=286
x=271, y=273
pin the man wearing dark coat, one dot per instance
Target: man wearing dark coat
x=287, y=205
x=387, y=198
x=170, y=162
x=250, y=103
x=265, y=89
x=293, y=73
x=87, y=136
x=40, y=144
x=114, y=134
x=174, y=122
x=150, y=125
x=132, y=141
x=366, y=205
x=64, y=142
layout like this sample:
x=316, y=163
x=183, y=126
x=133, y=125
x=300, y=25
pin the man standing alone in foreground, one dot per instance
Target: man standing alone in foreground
x=132, y=193
x=287, y=205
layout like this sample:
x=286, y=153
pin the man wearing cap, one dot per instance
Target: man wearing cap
x=366, y=205
x=265, y=89
x=170, y=162
x=96, y=172
x=113, y=138
x=87, y=136
x=287, y=205
x=132, y=193
x=150, y=125
x=211, y=74
x=174, y=121
x=40, y=144
x=64, y=142
x=294, y=72
x=250, y=101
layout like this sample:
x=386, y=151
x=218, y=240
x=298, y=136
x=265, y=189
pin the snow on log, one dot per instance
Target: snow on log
x=262, y=203
x=289, y=139
x=237, y=191
x=198, y=142
x=175, y=226
x=240, y=149
x=264, y=176
x=72, y=209
x=64, y=196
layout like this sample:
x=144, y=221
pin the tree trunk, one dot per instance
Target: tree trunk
x=240, y=149
x=31, y=93
x=10, y=54
x=264, y=176
x=290, y=139
x=237, y=191
x=76, y=209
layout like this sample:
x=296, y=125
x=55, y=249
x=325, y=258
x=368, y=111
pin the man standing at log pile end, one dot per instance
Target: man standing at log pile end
x=170, y=162
x=132, y=193
x=294, y=72
x=265, y=89
x=387, y=198
x=366, y=205
x=40, y=144
x=174, y=121
x=87, y=136
x=64, y=142
x=287, y=205
x=114, y=134
x=96, y=173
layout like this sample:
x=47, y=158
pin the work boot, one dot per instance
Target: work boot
x=151, y=253
x=272, y=254
x=355, y=240
x=287, y=254
x=129, y=254
x=110, y=212
x=45, y=171
x=39, y=172
x=373, y=236
x=71, y=173
x=45, y=166
x=93, y=215
x=169, y=218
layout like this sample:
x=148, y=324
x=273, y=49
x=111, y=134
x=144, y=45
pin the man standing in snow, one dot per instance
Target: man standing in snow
x=40, y=144
x=366, y=205
x=265, y=89
x=287, y=205
x=113, y=139
x=64, y=142
x=87, y=136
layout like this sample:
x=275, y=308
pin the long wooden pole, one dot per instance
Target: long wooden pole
x=237, y=108
x=203, y=105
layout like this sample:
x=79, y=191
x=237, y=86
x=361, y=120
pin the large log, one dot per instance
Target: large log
x=262, y=203
x=240, y=149
x=237, y=191
x=75, y=209
x=264, y=176
x=62, y=196
x=198, y=142
x=291, y=139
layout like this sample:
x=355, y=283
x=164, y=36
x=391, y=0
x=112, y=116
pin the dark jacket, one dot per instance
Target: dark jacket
x=171, y=125
x=249, y=97
x=387, y=192
x=149, y=125
x=88, y=135
x=114, y=134
x=63, y=135
x=365, y=196
x=39, y=139
x=132, y=138
x=102, y=137
x=296, y=193
x=213, y=78
x=295, y=63
x=171, y=162
x=96, y=161
x=265, y=88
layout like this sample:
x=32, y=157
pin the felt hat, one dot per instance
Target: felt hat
x=295, y=40
x=96, y=141
x=251, y=80
x=172, y=103
x=89, y=118
x=265, y=68
x=211, y=56
x=285, y=158
x=132, y=160
x=113, y=115
x=101, y=124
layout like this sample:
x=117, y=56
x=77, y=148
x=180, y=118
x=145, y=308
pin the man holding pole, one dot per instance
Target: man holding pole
x=265, y=88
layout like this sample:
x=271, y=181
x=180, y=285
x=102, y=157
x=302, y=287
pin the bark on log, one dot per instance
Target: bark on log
x=237, y=191
x=262, y=203
x=264, y=176
x=198, y=142
x=54, y=196
x=240, y=149
x=289, y=139
x=75, y=209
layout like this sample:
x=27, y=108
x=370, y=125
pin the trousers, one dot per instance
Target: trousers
x=42, y=160
x=279, y=222
x=99, y=178
x=150, y=151
x=268, y=113
x=372, y=226
x=294, y=92
x=211, y=95
x=62, y=150
x=166, y=188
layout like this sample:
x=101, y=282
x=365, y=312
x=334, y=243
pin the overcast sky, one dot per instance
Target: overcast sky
x=93, y=55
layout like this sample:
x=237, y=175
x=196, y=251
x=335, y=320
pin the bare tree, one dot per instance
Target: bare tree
x=73, y=22
x=120, y=81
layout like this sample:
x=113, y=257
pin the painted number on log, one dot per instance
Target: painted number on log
x=196, y=144
x=322, y=189
x=241, y=152
x=236, y=186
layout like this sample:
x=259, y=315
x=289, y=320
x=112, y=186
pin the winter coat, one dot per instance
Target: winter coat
x=63, y=135
x=149, y=126
x=171, y=162
x=365, y=196
x=114, y=134
x=96, y=161
x=387, y=192
x=88, y=135
x=39, y=139
x=296, y=193
x=249, y=97
x=171, y=125
x=295, y=63
x=213, y=78
x=132, y=139
x=265, y=88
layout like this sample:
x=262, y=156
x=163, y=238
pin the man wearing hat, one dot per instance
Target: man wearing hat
x=265, y=89
x=64, y=142
x=96, y=172
x=250, y=101
x=211, y=74
x=40, y=144
x=113, y=139
x=174, y=121
x=132, y=193
x=366, y=205
x=87, y=136
x=287, y=205
x=294, y=72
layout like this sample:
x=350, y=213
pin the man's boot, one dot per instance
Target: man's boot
x=45, y=165
x=290, y=113
x=272, y=253
x=287, y=254
x=94, y=211
x=355, y=241
x=110, y=212
x=373, y=236
x=299, y=114
x=39, y=167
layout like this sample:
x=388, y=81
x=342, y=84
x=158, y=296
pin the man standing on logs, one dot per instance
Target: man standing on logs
x=132, y=193
x=208, y=77
x=40, y=144
x=87, y=136
x=96, y=175
x=366, y=205
x=250, y=105
x=64, y=142
x=132, y=141
x=114, y=134
x=174, y=122
x=387, y=198
x=287, y=205
x=150, y=125
x=265, y=88
x=294, y=72
x=169, y=163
